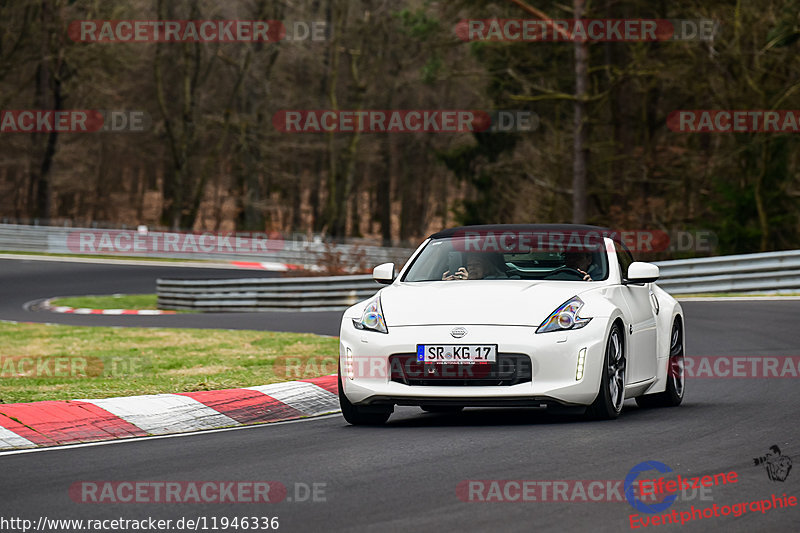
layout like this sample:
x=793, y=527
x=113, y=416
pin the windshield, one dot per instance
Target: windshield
x=457, y=259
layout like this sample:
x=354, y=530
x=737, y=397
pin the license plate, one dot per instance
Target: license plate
x=456, y=354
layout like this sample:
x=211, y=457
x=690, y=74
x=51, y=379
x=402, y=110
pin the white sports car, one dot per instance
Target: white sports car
x=513, y=315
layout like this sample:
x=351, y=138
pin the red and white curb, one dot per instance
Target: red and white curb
x=86, y=311
x=53, y=423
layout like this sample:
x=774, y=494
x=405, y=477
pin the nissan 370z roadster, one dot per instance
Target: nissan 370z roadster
x=513, y=315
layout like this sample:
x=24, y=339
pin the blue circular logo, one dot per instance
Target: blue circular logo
x=629, y=485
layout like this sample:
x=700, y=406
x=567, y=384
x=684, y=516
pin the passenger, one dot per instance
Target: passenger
x=479, y=266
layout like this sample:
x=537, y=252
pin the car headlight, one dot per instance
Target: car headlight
x=565, y=317
x=372, y=317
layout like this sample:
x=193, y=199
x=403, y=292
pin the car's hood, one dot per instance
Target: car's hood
x=508, y=302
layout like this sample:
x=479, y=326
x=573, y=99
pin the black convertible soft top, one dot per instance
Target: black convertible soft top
x=533, y=228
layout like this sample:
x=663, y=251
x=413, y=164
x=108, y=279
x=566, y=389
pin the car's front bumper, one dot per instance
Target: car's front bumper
x=366, y=375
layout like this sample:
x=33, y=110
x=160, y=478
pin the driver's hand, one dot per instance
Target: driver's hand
x=447, y=276
x=586, y=276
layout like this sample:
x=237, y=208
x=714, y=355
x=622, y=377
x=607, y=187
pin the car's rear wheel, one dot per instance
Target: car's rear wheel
x=611, y=395
x=673, y=394
x=362, y=416
x=442, y=408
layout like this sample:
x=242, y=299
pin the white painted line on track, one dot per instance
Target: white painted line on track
x=158, y=437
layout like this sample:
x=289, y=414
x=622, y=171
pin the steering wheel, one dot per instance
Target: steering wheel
x=567, y=270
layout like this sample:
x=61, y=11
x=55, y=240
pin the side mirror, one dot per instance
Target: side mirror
x=384, y=273
x=639, y=272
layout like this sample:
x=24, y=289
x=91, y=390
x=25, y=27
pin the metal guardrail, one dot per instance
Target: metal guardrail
x=763, y=272
x=331, y=293
x=67, y=240
x=737, y=273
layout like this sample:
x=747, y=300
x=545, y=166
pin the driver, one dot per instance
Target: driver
x=580, y=261
x=478, y=266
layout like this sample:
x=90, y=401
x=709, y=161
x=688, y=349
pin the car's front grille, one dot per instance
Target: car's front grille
x=509, y=369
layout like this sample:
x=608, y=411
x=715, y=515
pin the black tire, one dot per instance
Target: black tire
x=452, y=409
x=676, y=382
x=611, y=396
x=362, y=416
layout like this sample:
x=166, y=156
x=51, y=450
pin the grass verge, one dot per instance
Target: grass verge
x=54, y=362
x=115, y=301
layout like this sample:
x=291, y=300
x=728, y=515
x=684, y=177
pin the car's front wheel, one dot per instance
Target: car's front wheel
x=362, y=416
x=611, y=395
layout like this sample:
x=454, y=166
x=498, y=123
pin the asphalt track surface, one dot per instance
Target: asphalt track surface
x=403, y=476
x=26, y=281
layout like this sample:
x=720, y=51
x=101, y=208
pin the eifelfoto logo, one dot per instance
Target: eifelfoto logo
x=777, y=465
